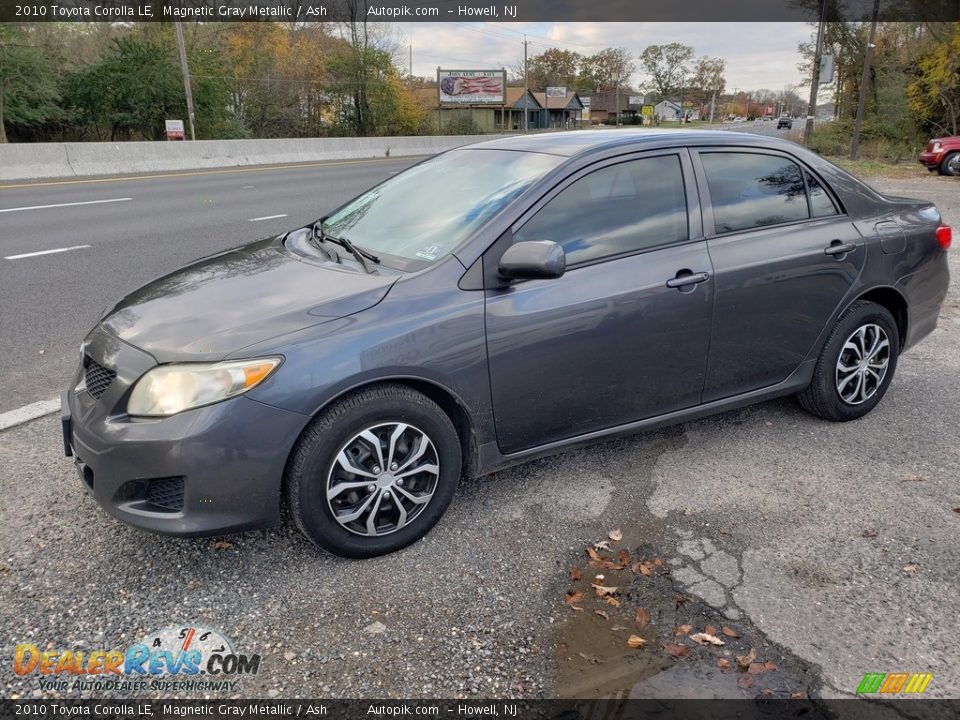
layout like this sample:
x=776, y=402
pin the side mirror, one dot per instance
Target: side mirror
x=533, y=259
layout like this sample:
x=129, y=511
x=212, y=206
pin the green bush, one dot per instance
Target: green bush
x=880, y=139
x=461, y=124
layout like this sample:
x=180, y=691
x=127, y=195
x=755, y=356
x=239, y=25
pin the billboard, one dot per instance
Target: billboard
x=635, y=100
x=173, y=129
x=560, y=92
x=472, y=87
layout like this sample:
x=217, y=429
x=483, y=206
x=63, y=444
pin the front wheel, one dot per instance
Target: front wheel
x=373, y=473
x=951, y=164
x=856, y=364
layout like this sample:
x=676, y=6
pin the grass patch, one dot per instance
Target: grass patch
x=879, y=168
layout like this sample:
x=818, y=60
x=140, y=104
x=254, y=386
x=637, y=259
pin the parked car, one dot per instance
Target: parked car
x=942, y=155
x=784, y=122
x=490, y=305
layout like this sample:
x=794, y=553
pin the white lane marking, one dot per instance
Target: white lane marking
x=85, y=202
x=28, y=413
x=45, y=252
x=266, y=217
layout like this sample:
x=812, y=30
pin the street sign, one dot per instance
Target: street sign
x=560, y=92
x=826, y=69
x=647, y=111
x=174, y=129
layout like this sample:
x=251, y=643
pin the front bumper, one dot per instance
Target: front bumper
x=205, y=471
x=930, y=160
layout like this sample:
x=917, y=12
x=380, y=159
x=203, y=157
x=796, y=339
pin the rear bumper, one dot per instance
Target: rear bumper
x=925, y=291
x=206, y=471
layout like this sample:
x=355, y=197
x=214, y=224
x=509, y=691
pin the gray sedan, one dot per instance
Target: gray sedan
x=490, y=305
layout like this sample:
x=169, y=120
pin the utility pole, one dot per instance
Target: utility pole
x=815, y=78
x=185, y=69
x=526, y=88
x=864, y=81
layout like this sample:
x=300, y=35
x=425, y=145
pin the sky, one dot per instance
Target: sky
x=758, y=55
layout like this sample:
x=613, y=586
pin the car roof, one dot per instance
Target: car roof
x=579, y=142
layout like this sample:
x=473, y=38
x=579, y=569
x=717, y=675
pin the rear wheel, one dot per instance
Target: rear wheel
x=950, y=165
x=856, y=364
x=374, y=473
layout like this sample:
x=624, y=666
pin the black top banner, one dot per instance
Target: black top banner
x=473, y=10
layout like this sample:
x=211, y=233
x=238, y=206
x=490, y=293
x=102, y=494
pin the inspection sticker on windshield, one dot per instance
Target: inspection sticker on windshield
x=431, y=252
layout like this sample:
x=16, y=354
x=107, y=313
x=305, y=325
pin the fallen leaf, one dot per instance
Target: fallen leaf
x=564, y=648
x=745, y=681
x=594, y=555
x=643, y=618
x=636, y=641
x=682, y=629
x=602, y=614
x=913, y=478
x=796, y=695
x=709, y=629
x=577, y=608
x=756, y=668
x=744, y=660
x=910, y=568
x=957, y=510
x=769, y=666
x=646, y=568
x=222, y=545
x=658, y=562
x=611, y=600
x=573, y=597
x=603, y=590
x=623, y=558
x=869, y=533
x=676, y=650
x=602, y=545
x=723, y=531
x=729, y=632
x=576, y=574
x=615, y=535
x=723, y=664
x=706, y=639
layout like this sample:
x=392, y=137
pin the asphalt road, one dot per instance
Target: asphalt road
x=134, y=229
x=827, y=549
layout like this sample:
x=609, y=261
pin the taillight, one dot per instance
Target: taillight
x=944, y=236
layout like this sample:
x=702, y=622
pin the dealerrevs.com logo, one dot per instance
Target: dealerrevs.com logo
x=174, y=659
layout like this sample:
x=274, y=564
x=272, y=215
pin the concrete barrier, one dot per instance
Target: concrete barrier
x=29, y=161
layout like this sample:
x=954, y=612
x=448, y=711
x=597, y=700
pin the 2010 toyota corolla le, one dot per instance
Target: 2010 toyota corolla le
x=492, y=304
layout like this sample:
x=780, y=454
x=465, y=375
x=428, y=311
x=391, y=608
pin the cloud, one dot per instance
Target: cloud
x=758, y=55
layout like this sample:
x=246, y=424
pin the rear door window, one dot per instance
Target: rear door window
x=750, y=190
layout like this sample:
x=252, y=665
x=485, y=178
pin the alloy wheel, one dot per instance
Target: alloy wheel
x=862, y=364
x=382, y=479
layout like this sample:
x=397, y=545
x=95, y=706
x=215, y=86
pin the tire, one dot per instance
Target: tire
x=950, y=165
x=332, y=447
x=824, y=396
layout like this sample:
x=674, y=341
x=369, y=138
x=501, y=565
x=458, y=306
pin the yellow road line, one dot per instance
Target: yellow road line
x=224, y=171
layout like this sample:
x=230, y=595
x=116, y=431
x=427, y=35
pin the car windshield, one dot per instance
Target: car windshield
x=424, y=213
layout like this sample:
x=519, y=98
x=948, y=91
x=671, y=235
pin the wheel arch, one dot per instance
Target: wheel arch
x=449, y=402
x=894, y=301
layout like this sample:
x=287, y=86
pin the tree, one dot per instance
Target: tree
x=707, y=82
x=554, y=67
x=667, y=66
x=935, y=93
x=609, y=69
x=29, y=88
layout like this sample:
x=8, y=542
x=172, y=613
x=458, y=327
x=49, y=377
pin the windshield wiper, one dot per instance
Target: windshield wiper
x=362, y=256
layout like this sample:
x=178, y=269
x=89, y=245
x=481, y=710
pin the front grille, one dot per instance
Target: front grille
x=97, y=377
x=166, y=493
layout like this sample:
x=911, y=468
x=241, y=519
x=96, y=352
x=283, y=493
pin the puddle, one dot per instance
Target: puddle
x=595, y=659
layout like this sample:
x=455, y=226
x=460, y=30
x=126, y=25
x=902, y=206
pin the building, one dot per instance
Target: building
x=603, y=106
x=491, y=118
x=670, y=111
x=557, y=112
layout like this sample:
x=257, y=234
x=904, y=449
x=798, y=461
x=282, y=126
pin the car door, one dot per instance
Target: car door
x=784, y=255
x=623, y=334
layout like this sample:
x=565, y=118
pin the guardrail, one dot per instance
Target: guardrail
x=31, y=161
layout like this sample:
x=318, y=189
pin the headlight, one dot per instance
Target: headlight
x=936, y=147
x=169, y=389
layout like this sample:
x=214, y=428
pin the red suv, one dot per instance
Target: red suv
x=942, y=155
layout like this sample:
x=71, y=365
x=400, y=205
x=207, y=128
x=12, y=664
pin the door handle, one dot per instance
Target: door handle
x=685, y=277
x=839, y=248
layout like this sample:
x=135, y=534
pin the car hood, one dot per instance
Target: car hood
x=225, y=302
